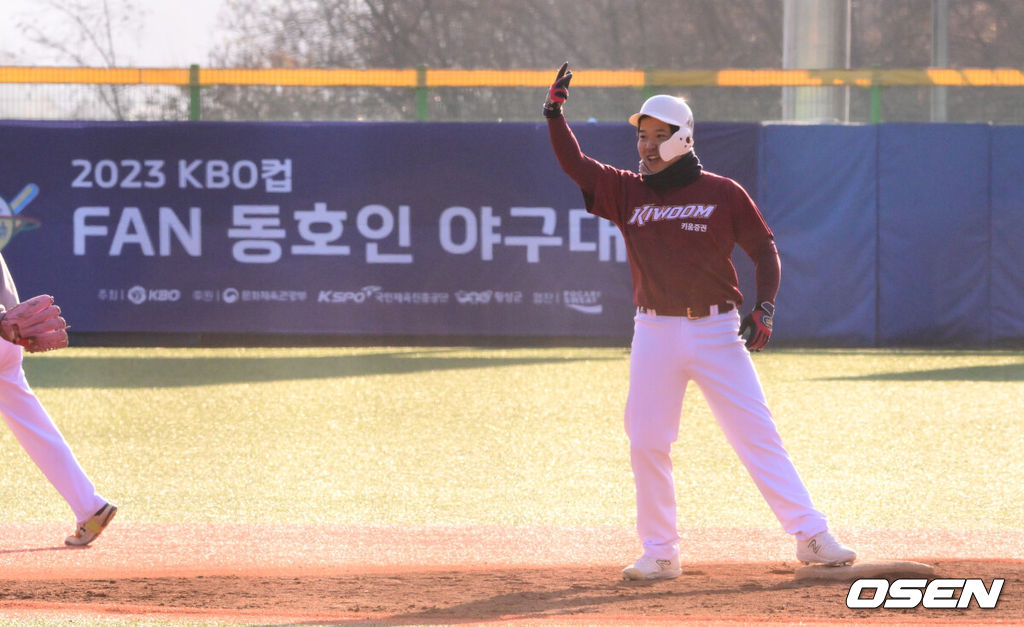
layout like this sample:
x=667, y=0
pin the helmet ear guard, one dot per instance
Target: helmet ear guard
x=680, y=143
x=674, y=111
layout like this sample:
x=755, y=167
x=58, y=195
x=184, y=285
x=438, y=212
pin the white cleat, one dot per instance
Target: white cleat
x=89, y=530
x=651, y=568
x=824, y=549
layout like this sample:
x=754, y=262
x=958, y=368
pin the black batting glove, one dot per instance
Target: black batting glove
x=759, y=322
x=558, y=93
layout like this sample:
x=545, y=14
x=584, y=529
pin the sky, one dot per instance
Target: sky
x=175, y=33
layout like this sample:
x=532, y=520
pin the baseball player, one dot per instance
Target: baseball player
x=36, y=325
x=680, y=224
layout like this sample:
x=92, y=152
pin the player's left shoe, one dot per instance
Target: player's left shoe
x=824, y=549
x=91, y=529
x=650, y=568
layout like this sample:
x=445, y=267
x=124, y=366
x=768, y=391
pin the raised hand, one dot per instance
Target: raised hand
x=558, y=93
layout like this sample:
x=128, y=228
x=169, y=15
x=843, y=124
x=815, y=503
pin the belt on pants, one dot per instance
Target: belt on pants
x=693, y=313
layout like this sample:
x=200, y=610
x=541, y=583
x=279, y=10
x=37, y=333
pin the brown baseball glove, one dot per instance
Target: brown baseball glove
x=35, y=324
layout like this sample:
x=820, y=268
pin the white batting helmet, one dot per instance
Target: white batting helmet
x=674, y=111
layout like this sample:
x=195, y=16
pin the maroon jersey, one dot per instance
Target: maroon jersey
x=680, y=239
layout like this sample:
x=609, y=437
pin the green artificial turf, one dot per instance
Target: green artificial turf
x=532, y=436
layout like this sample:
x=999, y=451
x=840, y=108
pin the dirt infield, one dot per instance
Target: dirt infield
x=459, y=575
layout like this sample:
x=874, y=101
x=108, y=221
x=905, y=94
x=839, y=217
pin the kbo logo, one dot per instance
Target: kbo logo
x=908, y=593
x=138, y=295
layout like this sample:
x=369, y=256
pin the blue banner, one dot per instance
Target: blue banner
x=334, y=228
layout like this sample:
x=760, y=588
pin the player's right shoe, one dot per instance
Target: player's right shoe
x=651, y=568
x=824, y=549
x=91, y=529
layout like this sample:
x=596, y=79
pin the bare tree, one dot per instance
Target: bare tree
x=471, y=34
x=84, y=34
x=982, y=33
x=590, y=34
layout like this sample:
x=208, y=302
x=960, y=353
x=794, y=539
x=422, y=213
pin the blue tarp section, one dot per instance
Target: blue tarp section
x=819, y=199
x=1007, y=234
x=933, y=207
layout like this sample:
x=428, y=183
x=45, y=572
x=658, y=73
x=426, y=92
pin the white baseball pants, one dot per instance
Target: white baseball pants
x=41, y=439
x=668, y=352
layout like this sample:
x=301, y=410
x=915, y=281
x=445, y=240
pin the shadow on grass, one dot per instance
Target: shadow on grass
x=1004, y=372
x=185, y=371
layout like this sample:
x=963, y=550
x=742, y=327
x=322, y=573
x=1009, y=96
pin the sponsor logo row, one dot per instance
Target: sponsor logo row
x=583, y=301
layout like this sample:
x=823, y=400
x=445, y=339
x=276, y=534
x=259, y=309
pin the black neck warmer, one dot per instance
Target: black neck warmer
x=679, y=174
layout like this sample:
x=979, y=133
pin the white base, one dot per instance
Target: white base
x=861, y=570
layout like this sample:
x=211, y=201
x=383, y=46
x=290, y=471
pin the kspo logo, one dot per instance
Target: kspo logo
x=332, y=296
x=908, y=593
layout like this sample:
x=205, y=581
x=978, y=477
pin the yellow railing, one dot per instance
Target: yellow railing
x=424, y=78
x=437, y=77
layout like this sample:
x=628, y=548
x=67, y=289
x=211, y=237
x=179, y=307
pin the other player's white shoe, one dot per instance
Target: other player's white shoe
x=91, y=529
x=824, y=549
x=651, y=568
